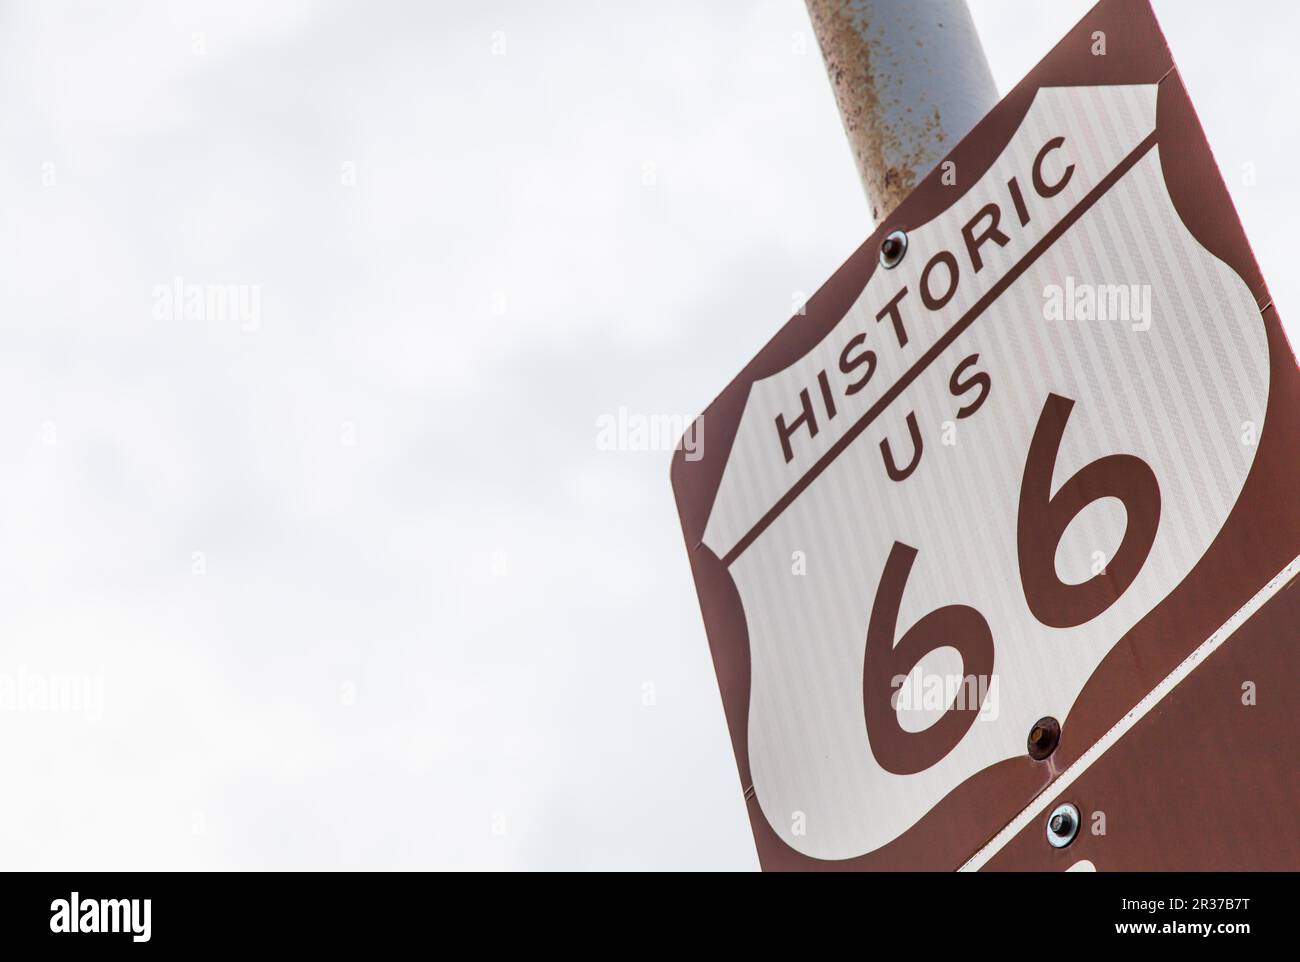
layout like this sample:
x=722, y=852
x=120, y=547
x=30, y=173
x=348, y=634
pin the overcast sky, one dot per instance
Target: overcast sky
x=340, y=577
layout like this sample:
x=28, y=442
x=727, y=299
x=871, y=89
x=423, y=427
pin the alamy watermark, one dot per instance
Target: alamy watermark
x=1075, y=301
x=182, y=301
x=932, y=692
x=40, y=692
x=88, y=916
x=629, y=431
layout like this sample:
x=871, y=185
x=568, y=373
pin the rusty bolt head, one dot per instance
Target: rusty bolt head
x=1043, y=738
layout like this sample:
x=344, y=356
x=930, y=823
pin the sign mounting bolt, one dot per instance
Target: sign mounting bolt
x=892, y=249
x=1062, y=825
x=1043, y=738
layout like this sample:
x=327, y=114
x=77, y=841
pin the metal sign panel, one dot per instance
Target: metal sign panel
x=1019, y=480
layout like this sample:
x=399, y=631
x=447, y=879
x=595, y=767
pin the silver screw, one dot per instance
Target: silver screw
x=892, y=249
x=1062, y=825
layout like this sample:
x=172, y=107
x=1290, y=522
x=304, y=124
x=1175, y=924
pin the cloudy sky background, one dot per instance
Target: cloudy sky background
x=358, y=588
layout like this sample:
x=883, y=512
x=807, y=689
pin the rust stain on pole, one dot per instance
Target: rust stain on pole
x=910, y=79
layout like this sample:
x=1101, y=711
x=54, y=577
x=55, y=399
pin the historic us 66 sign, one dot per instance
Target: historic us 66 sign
x=974, y=519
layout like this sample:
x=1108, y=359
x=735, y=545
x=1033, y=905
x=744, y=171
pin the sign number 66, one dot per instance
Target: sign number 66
x=1041, y=521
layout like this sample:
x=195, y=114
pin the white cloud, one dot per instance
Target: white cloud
x=494, y=589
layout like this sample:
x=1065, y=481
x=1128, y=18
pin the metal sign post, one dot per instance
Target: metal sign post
x=910, y=79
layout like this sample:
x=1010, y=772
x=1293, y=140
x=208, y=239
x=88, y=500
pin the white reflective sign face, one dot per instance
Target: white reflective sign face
x=1011, y=448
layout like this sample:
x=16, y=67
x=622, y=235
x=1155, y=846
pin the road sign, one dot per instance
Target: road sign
x=966, y=529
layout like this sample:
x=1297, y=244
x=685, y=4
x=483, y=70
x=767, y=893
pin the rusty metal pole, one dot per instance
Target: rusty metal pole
x=911, y=80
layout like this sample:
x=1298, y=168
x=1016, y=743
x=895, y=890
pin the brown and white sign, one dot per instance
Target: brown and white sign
x=1041, y=468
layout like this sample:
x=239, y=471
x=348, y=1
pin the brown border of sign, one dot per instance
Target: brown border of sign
x=1261, y=536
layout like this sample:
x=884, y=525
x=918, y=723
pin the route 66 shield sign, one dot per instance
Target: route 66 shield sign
x=974, y=516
